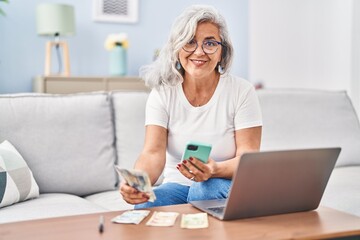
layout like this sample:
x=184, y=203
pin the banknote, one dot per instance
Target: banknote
x=192, y=221
x=137, y=179
x=131, y=217
x=162, y=219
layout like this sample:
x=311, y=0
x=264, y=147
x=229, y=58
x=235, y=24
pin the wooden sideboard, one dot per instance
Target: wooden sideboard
x=54, y=84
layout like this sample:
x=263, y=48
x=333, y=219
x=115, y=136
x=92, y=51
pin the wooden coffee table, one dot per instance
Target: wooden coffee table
x=323, y=223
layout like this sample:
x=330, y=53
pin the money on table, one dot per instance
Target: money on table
x=193, y=221
x=162, y=219
x=131, y=217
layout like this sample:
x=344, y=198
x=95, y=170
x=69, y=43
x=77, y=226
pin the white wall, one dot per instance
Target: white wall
x=304, y=44
x=355, y=45
x=22, y=51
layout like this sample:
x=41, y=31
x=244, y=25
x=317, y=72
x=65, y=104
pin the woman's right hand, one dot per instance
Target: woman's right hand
x=131, y=195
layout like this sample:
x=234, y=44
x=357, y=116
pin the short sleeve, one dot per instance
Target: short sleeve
x=248, y=112
x=156, y=113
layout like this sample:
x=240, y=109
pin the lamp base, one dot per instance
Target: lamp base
x=65, y=52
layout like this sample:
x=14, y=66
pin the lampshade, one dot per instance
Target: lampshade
x=54, y=18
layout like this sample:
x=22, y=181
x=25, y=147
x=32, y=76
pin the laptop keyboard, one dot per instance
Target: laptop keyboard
x=217, y=209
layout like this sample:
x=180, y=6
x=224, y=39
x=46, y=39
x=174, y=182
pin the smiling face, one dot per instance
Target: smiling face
x=199, y=64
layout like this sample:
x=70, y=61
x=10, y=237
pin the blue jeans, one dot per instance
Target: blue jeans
x=174, y=193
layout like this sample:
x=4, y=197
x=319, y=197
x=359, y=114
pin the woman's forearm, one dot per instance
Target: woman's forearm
x=226, y=168
x=153, y=164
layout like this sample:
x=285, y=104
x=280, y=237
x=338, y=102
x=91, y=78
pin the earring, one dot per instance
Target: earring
x=220, y=69
x=178, y=65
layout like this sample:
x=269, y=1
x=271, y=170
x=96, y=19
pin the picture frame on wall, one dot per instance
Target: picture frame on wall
x=117, y=11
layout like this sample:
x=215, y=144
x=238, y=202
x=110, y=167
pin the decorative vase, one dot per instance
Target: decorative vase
x=118, y=61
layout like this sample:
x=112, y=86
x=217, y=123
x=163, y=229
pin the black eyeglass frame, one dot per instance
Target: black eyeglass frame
x=202, y=46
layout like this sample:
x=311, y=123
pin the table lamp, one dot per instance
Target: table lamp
x=56, y=20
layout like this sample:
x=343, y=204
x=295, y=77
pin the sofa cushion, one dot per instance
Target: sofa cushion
x=310, y=119
x=129, y=111
x=110, y=200
x=67, y=140
x=16, y=180
x=48, y=205
x=342, y=191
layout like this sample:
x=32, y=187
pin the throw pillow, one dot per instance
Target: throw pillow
x=16, y=179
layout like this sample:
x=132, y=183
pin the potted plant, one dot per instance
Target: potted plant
x=1, y=11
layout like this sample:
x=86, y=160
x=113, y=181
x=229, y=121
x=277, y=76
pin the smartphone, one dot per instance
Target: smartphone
x=198, y=150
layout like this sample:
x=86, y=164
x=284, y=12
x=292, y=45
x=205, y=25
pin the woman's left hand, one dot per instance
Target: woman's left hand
x=196, y=170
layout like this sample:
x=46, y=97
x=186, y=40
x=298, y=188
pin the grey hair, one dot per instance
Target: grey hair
x=163, y=70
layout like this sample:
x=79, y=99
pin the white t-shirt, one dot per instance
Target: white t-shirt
x=233, y=106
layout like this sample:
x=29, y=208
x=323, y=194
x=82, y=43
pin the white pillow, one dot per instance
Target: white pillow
x=16, y=179
x=68, y=140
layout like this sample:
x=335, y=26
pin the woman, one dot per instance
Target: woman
x=193, y=98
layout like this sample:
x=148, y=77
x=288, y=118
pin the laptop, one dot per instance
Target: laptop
x=275, y=182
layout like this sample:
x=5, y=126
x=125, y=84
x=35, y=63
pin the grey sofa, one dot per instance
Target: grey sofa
x=71, y=143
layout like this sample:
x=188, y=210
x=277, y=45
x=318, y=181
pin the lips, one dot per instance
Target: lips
x=198, y=62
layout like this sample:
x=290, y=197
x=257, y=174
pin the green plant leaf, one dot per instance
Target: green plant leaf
x=1, y=11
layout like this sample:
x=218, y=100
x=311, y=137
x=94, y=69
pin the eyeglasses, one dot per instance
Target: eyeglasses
x=208, y=46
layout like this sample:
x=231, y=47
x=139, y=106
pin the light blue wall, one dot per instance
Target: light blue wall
x=22, y=51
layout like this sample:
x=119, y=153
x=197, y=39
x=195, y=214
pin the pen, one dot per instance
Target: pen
x=101, y=224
